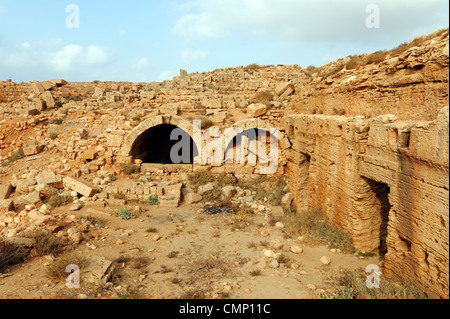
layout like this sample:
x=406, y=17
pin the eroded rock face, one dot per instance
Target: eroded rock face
x=384, y=181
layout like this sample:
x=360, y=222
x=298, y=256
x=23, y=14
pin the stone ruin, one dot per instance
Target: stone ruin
x=369, y=147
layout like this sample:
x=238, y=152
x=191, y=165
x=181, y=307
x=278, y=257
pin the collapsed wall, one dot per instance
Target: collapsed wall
x=384, y=182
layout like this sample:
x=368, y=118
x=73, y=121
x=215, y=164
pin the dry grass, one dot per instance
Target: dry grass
x=265, y=98
x=266, y=187
x=252, y=68
x=130, y=169
x=314, y=224
x=351, y=284
x=45, y=244
x=11, y=254
x=58, y=200
x=57, y=269
x=17, y=155
x=199, y=179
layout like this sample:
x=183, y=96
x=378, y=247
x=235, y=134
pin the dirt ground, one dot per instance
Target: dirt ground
x=198, y=255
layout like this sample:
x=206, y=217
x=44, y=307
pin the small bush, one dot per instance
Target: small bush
x=316, y=225
x=153, y=201
x=125, y=213
x=139, y=262
x=351, y=284
x=54, y=135
x=10, y=254
x=57, y=269
x=58, y=200
x=265, y=98
x=45, y=244
x=377, y=57
x=226, y=179
x=252, y=68
x=152, y=230
x=255, y=273
x=17, y=155
x=199, y=179
x=206, y=123
x=57, y=121
x=131, y=169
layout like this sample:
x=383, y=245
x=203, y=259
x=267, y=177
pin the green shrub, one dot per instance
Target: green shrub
x=153, y=201
x=125, y=213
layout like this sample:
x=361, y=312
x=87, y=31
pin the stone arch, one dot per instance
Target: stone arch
x=155, y=123
x=246, y=125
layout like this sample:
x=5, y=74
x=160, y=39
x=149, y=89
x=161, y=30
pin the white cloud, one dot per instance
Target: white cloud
x=140, y=64
x=165, y=75
x=32, y=59
x=309, y=21
x=96, y=55
x=65, y=58
x=193, y=56
x=25, y=45
x=73, y=55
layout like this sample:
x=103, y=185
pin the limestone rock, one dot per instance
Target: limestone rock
x=256, y=110
x=79, y=187
x=192, y=198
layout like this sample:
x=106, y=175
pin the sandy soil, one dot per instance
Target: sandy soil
x=198, y=255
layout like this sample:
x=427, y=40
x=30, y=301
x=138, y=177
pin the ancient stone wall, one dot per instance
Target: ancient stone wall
x=385, y=182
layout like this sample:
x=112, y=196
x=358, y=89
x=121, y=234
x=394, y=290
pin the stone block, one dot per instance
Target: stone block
x=256, y=110
x=5, y=190
x=48, y=99
x=114, y=141
x=6, y=205
x=48, y=177
x=79, y=187
x=32, y=198
x=30, y=150
x=37, y=87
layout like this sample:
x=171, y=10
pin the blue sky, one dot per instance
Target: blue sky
x=144, y=41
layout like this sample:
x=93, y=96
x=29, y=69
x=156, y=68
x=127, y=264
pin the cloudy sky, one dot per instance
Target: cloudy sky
x=150, y=40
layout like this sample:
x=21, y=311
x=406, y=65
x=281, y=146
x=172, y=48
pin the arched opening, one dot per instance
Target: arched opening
x=154, y=146
x=251, y=144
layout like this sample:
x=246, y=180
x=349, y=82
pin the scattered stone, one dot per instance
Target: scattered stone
x=265, y=233
x=274, y=264
x=76, y=207
x=311, y=286
x=6, y=205
x=192, y=198
x=277, y=246
x=296, y=249
x=206, y=188
x=256, y=110
x=157, y=237
x=5, y=190
x=80, y=187
x=325, y=260
x=279, y=225
x=119, y=242
x=269, y=253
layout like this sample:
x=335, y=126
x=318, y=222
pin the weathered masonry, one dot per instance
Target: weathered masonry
x=385, y=182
